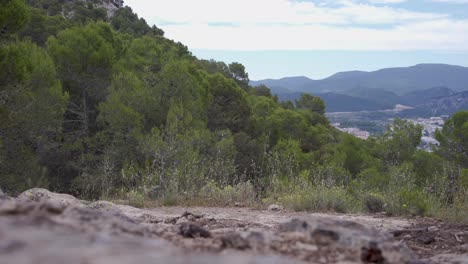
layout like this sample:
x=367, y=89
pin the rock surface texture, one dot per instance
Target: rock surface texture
x=44, y=227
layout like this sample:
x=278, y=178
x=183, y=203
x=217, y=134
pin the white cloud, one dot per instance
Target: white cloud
x=452, y=1
x=294, y=25
x=270, y=11
x=440, y=35
x=387, y=1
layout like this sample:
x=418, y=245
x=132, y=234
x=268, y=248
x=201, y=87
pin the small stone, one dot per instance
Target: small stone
x=306, y=247
x=325, y=236
x=275, y=208
x=191, y=216
x=191, y=230
x=426, y=240
x=239, y=205
x=236, y=241
x=54, y=207
x=433, y=229
x=205, y=221
x=295, y=225
x=170, y=220
x=294, y=236
x=182, y=221
x=101, y=205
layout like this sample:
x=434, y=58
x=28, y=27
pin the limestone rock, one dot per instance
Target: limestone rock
x=38, y=194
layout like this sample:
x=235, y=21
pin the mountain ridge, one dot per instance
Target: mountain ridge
x=400, y=80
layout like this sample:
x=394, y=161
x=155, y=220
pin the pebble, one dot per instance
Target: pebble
x=182, y=220
x=275, y=208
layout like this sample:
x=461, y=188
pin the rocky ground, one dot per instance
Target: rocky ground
x=44, y=227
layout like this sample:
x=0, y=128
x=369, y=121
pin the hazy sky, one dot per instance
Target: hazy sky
x=278, y=38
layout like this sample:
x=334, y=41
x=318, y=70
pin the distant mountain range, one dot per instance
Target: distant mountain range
x=398, y=80
x=422, y=86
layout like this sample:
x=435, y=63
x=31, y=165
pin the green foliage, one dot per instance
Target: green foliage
x=32, y=104
x=464, y=179
x=41, y=26
x=262, y=90
x=85, y=12
x=136, y=199
x=320, y=199
x=13, y=15
x=400, y=141
x=373, y=203
x=84, y=57
x=311, y=103
x=239, y=74
x=408, y=202
x=212, y=195
x=355, y=154
x=404, y=197
x=372, y=179
x=229, y=108
x=454, y=138
x=124, y=20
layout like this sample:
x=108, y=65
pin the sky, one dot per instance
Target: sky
x=314, y=38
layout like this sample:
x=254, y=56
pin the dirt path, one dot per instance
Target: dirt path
x=428, y=238
x=272, y=218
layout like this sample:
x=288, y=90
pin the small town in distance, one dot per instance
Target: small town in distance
x=429, y=128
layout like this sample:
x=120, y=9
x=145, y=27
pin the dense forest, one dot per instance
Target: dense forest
x=102, y=105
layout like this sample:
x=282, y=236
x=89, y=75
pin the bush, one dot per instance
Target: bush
x=169, y=200
x=408, y=202
x=136, y=199
x=457, y=212
x=320, y=199
x=213, y=195
x=373, y=203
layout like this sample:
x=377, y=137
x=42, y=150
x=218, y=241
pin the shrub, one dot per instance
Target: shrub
x=136, y=199
x=320, y=199
x=457, y=212
x=408, y=202
x=373, y=203
x=213, y=195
